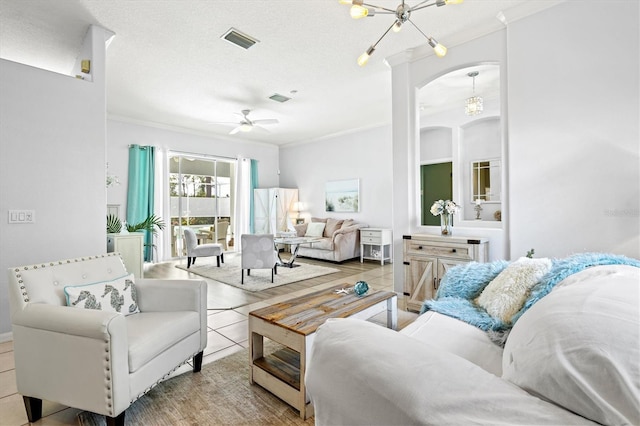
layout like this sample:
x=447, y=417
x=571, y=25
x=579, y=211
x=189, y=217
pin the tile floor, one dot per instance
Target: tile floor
x=228, y=333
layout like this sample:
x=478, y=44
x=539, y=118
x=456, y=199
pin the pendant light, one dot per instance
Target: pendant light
x=474, y=104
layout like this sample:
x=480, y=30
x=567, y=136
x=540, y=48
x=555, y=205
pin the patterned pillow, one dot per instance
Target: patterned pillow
x=118, y=296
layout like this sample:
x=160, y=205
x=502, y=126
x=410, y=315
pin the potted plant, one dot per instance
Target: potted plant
x=149, y=224
x=114, y=225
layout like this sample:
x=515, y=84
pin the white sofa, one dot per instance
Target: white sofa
x=571, y=358
x=93, y=359
x=340, y=240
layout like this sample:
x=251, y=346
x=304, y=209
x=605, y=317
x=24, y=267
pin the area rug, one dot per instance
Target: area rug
x=219, y=395
x=260, y=279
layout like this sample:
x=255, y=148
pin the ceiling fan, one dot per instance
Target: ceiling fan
x=247, y=125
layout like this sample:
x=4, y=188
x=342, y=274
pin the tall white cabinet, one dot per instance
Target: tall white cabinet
x=272, y=209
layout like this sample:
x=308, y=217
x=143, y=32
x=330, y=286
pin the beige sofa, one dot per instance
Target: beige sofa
x=340, y=240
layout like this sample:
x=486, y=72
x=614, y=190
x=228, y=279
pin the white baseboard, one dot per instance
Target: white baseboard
x=6, y=337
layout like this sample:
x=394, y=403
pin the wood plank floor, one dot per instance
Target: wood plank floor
x=222, y=296
x=228, y=328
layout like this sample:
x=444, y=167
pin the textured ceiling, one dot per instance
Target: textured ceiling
x=168, y=65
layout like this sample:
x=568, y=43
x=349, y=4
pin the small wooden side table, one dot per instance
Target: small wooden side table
x=293, y=323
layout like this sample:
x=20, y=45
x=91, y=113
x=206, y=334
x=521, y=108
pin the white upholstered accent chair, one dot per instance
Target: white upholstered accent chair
x=258, y=252
x=203, y=250
x=97, y=360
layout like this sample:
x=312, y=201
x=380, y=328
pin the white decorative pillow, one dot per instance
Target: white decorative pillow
x=504, y=296
x=578, y=346
x=118, y=295
x=315, y=229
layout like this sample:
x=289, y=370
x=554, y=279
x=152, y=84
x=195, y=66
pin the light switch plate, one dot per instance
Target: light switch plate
x=22, y=216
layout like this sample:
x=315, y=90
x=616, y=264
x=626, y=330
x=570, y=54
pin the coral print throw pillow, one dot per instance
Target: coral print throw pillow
x=118, y=296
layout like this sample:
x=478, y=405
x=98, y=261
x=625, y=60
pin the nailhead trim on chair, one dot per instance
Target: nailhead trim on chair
x=107, y=369
x=25, y=296
x=107, y=372
x=165, y=377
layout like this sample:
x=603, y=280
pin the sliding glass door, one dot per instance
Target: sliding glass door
x=201, y=197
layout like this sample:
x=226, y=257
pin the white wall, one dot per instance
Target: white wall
x=436, y=145
x=121, y=134
x=570, y=120
x=573, y=124
x=52, y=143
x=365, y=155
x=407, y=79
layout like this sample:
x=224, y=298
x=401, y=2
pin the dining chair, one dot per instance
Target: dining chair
x=222, y=227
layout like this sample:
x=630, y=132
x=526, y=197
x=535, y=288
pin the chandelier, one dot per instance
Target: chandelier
x=402, y=13
x=474, y=104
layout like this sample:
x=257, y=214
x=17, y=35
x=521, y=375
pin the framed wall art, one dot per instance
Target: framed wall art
x=342, y=195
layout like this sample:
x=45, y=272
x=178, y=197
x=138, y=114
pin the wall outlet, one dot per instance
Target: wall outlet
x=22, y=216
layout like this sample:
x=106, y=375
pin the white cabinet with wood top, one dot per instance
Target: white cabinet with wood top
x=375, y=244
x=426, y=258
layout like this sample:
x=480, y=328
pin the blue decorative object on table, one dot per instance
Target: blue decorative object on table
x=361, y=288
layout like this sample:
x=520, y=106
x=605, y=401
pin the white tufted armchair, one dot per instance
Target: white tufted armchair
x=96, y=360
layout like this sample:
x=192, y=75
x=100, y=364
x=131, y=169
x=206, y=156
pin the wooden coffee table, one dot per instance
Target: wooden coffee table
x=293, y=323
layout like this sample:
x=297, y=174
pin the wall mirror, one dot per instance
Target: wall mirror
x=470, y=143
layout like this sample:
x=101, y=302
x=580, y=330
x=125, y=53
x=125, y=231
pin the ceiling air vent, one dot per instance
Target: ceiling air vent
x=239, y=39
x=279, y=98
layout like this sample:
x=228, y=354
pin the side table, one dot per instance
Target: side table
x=376, y=244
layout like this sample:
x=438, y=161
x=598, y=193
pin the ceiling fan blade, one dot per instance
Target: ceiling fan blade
x=261, y=129
x=236, y=130
x=266, y=121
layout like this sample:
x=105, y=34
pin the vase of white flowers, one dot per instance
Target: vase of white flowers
x=445, y=209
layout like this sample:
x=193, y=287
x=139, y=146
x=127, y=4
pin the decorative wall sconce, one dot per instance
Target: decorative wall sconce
x=85, y=66
x=112, y=180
